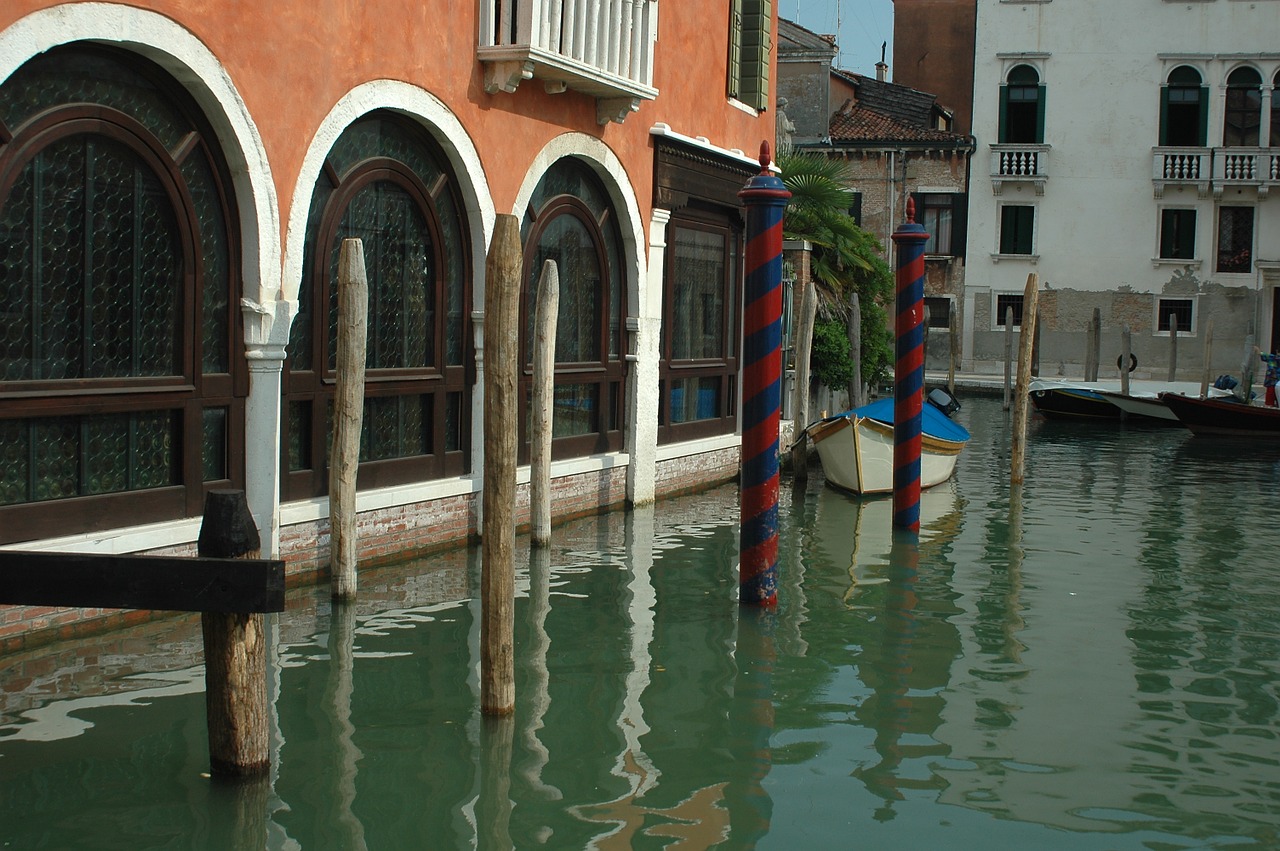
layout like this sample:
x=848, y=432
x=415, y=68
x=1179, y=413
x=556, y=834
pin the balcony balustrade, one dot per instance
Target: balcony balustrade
x=1020, y=164
x=1216, y=168
x=603, y=48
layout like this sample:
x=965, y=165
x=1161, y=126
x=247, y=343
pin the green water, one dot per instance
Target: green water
x=1088, y=663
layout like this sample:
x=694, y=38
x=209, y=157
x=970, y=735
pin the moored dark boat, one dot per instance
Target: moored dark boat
x=1228, y=417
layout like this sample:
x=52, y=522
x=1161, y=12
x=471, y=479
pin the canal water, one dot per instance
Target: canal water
x=1089, y=662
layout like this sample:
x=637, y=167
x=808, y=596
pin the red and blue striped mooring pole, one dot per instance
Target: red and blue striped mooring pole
x=908, y=371
x=765, y=198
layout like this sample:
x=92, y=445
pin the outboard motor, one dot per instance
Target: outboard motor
x=943, y=401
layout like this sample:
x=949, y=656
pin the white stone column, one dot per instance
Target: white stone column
x=646, y=328
x=266, y=329
x=1264, y=127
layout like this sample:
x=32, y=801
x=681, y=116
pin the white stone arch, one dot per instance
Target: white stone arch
x=613, y=175
x=432, y=115
x=194, y=66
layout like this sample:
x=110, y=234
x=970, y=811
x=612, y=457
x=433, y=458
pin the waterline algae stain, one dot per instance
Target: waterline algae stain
x=1089, y=661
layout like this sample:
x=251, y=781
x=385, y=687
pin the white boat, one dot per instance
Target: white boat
x=856, y=447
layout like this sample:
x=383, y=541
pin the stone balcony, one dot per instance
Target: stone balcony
x=1014, y=163
x=602, y=48
x=1216, y=169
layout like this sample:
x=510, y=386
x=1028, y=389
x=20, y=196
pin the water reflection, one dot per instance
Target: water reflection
x=1088, y=660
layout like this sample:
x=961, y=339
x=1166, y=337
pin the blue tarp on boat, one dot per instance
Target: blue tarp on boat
x=935, y=423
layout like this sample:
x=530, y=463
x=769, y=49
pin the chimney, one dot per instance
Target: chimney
x=882, y=69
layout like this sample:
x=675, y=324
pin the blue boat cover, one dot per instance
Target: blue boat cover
x=935, y=423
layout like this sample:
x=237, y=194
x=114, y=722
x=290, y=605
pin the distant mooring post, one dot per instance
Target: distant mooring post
x=908, y=371
x=546, y=315
x=765, y=198
x=1021, y=400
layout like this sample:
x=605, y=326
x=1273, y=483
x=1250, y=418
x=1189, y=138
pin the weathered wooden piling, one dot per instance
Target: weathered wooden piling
x=805, y=316
x=546, y=315
x=235, y=650
x=1093, y=347
x=1008, y=355
x=1173, y=347
x=855, y=350
x=1021, y=401
x=1208, y=360
x=501, y=375
x=765, y=198
x=908, y=370
x=1126, y=357
x=348, y=417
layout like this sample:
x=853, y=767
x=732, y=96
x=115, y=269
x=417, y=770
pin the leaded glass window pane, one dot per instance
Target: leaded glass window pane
x=1235, y=239
x=576, y=409
x=568, y=242
x=216, y=310
x=99, y=295
x=395, y=427
x=58, y=457
x=400, y=265
x=694, y=399
x=215, y=444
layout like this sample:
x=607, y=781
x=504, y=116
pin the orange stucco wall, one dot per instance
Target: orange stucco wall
x=292, y=60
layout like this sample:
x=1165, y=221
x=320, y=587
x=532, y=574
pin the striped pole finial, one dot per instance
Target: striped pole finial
x=908, y=371
x=765, y=199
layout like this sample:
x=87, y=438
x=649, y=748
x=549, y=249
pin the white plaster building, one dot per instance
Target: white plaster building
x=1129, y=154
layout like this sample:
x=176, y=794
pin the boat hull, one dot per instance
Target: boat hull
x=1074, y=403
x=857, y=454
x=1216, y=417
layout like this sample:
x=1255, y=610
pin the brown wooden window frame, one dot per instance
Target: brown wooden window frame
x=313, y=389
x=186, y=395
x=723, y=369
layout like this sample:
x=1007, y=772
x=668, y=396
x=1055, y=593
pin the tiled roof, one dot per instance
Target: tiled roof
x=793, y=37
x=889, y=113
x=863, y=124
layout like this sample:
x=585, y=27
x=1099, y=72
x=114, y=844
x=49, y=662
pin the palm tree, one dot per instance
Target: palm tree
x=845, y=259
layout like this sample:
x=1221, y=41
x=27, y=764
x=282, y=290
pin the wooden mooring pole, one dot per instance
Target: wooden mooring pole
x=348, y=417
x=855, y=350
x=1173, y=346
x=800, y=396
x=1208, y=360
x=501, y=374
x=1008, y=355
x=1021, y=400
x=544, y=387
x=235, y=650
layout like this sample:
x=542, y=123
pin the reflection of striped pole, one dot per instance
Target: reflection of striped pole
x=908, y=371
x=765, y=198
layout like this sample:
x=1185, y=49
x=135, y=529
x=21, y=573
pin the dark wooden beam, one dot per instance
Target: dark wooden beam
x=162, y=583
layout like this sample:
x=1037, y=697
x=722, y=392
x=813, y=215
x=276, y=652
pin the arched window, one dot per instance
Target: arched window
x=121, y=363
x=570, y=220
x=385, y=182
x=1184, y=109
x=1022, y=107
x=1243, y=118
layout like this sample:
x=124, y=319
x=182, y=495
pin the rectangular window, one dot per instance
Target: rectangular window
x=1181, y=311
x=1006, y=302
x=698, y=340
x=1017, y=224
x=935, y=213
x=937, y=311
x=1235, y=239
x=855, y=209
x=1177, y=234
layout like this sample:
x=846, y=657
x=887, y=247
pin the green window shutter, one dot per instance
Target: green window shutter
x=735, y=49
x=757, y=42
x=1040, y=109
x=1004, y=114
x=959, y=223
x=1164, y=115
x=1204, y=116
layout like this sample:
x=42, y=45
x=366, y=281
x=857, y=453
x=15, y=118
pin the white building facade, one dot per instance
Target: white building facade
x=1129, y=156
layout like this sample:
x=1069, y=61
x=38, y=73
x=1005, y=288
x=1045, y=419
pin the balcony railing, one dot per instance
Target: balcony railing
x=1216, y=168
x=1021, y=164
x=602, y=48
x=1181, y=167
